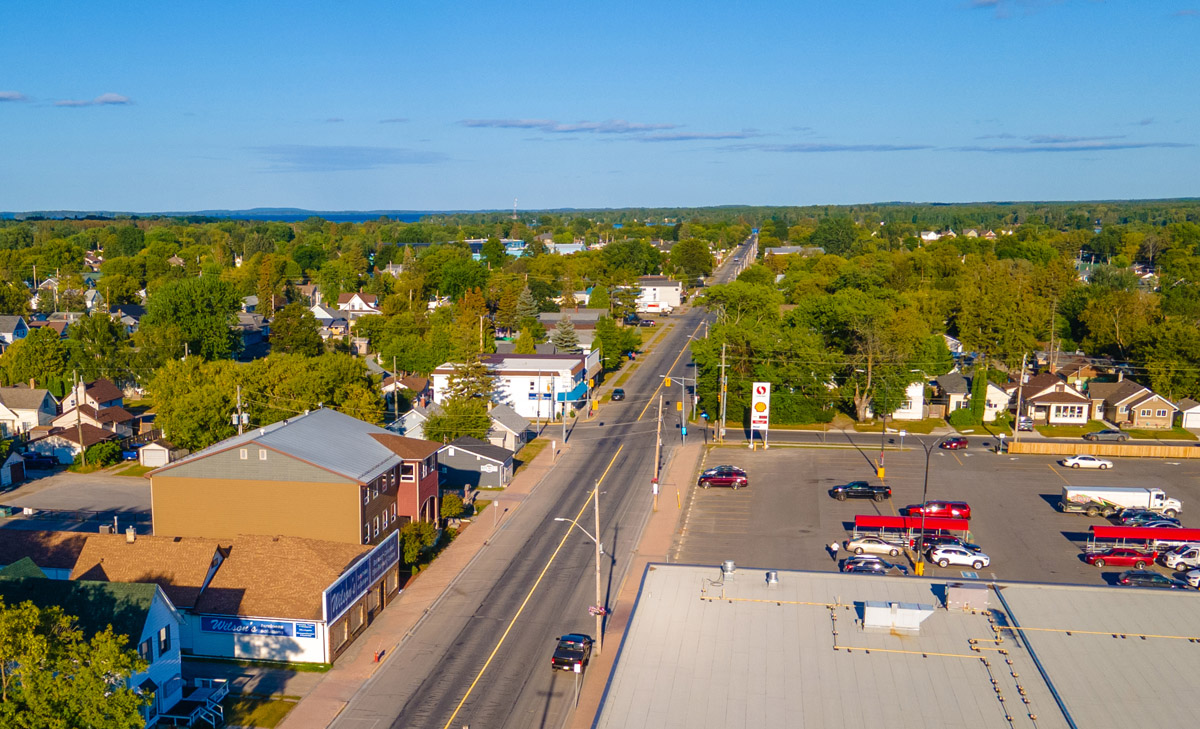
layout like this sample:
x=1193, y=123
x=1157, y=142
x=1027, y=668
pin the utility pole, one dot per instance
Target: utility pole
x=683, y=410
x=481, y=333
x=599, y=595
x=722, y=395
x=239, y=407
x=78, y=421
x=1020, y=389
x=658, y=441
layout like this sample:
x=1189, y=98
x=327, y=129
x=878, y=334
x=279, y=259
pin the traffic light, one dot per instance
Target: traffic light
x=666, y=382
x=679, y=406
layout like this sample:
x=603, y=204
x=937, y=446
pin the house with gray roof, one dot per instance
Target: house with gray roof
x=319, y=475
x=24, y=408
x=1189, y=413
x=1125, y=403
x=12, y=328
x=470, y=463
x=509, y=428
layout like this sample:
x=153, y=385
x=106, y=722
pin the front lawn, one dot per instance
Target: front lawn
x=134, y=470
x=1070, y=431
x=919, y=427
x=528, y=453
x=1176, y=433
x=253, y=711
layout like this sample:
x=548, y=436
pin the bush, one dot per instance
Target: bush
x=962, y=418
x=102, y=454
x=452, y=506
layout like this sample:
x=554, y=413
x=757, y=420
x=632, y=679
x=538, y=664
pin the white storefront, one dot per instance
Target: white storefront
x=536, y=386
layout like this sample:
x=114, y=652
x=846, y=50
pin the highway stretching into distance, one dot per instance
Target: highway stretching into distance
x=481, y=656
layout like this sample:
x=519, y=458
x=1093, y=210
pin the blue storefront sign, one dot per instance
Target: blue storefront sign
x=351, y=586
x=248, y=627
x=306, y=630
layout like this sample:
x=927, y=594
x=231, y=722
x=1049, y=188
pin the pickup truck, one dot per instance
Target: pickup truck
x=572, y=653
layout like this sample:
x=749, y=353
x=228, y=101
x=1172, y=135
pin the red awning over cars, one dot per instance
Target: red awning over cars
x=932, y=523
x=1145, y=534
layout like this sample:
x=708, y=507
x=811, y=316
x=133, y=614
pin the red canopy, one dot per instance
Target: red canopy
x=1145, y=533
x=932, y=523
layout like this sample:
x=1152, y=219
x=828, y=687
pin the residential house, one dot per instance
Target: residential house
x=1048, y=399
x=93, y=260
x=659, y=293
x=59, y=326
x=415, y=388
x=393, y=269
x=139, y=611
x=255, y=332
x=92, y=300
x=65, y=444
x=333, y=323
x=129, y=316
x=114, y=419
x=1189, y=413
x=25, y=408
x=320, y=475
x=12, y=469
x=1127, y=404
x=176, y=261
x=954, y=390
x=99, y=394
x=803, y=251
x=470, y=463
x=310, y=293
x=12, y=328
x=412, y=423
x=357, y=304
x=1153, y=412
x=249, y=303
x=55, y=553
x=955, y=346
x=509, y=429
x=534, y=385
x=913, y=407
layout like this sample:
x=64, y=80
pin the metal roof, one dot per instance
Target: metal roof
x=325, y=438
x=704, y=652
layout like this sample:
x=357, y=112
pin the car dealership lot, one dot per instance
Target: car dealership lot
x=786, y=519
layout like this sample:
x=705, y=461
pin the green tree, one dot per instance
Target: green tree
x=98, y=347
x=837, y=235
x=52, y=676
x=201, y=310
x=528, y=340
x=565, y=338
x=14, y=300
x=194, y=401
x=599, y=298
x=452, y=506
x=494, y=253
x=295, y=330
x=416, y=537
x=472, y=378
x=527, y=308
x=41, y=356
x=624, y=302
x=692, y=258
x=459, y=417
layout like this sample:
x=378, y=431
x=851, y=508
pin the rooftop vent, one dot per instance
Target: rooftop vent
x=772, y=578
x=130, y=535
x=728, y=568
x=904, y=617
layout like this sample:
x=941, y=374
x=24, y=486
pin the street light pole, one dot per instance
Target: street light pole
x=919, y=567
x=598, y=608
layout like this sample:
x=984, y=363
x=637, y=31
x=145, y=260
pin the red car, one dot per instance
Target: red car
x=946, y=509
x=730, y=476
x=954, y=444
x=1121, y=556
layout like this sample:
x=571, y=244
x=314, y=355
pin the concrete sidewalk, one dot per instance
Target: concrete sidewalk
x=331, y=694
x=654, y=547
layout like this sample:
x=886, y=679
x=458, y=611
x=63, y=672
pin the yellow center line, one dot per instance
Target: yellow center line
x=956, y=457
x=1056, y=473
x=531, y=591
x=660, y=382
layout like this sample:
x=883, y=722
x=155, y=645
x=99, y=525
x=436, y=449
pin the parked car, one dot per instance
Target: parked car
x=930, y=541
x=730, y=476
x=860, y=490
x=618, y=394
x=1107, y=434
x=866, y=568
x=1147, y=578
x=946, y=555
x=1130, y=517
x=1185, y=556
x=38, y=462
x=884, y=566
x=1160, y=524
x=1193, y=578
x=954, y=444
x=645, y=322
x=1121, y=557
x=1085, y=461
x=572, y=653
x=950, y=509
x=873, y=545
x=1025, y=423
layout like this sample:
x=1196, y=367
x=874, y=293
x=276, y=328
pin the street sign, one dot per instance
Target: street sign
x=760, y=406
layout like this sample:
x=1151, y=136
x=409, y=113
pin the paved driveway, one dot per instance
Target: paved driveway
x=80, y=502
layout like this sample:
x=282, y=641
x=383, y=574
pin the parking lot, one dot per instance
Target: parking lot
x=78, y=502
x=786, y=519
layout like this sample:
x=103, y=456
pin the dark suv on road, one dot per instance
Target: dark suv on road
x=860, y=490
x=618, y=394
x=730, y=476
x=572, y=653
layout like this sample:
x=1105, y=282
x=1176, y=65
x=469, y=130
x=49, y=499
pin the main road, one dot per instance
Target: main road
x=481, y=656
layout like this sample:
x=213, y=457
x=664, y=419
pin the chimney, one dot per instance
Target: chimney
x=130, y=535
x=32, y=383
x=1120, y=375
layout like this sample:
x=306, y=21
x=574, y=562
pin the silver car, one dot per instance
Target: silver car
x=872, y=545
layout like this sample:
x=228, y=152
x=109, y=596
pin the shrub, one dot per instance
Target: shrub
x=102, y=454
x=963, y=417
x=452, y=506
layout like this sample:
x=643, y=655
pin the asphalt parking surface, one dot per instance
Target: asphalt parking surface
x=786, y=518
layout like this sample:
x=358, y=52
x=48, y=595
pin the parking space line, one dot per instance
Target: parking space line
x=956, y=457
x=1056, y=473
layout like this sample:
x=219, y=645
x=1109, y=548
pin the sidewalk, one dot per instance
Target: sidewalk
x=330, y=695
x=655, y=544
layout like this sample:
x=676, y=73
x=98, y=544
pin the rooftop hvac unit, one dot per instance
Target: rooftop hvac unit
x=904, y=617
x=966, y=596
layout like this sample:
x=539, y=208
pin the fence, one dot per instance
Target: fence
x=1122, y=450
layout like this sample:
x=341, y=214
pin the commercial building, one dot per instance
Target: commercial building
x=533, y=385
x=712, y=648
x=321, y=475
x=659, y=293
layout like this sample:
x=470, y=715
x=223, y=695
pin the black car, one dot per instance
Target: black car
x=618, y=394
x=39, y=462
x=931, y=541
x=866, y=568
x=860, y=490
x=1146, y=578
x=645, y=322
x=572, y=653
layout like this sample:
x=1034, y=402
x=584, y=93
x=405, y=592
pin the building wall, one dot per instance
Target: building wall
x=296, y=648
x=223, y=508
x=165, y=668
x=1152, y=419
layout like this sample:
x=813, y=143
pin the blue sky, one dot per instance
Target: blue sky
x=420, y=105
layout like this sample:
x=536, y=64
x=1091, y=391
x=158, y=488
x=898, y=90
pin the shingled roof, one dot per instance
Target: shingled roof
x=95, y=605
x=23, y=398
x=178, y=565
x=48, y=550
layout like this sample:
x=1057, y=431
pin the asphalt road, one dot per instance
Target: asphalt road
x=481, y=657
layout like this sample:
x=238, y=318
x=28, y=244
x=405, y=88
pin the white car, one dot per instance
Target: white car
x=1193, y=578
x=1087, y=462
x=947, y=555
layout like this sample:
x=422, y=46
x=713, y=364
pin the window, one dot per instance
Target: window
x=376, y=526
x=1122, y=409
x=244, y=453
x=375, y=490
x=164, y=640
x=1145, y=413
x=393, y=512
x=262, y=454
x=366, y=533
x=1160, y=413
x=146, y=651
x=408, y=472
x=366, y=496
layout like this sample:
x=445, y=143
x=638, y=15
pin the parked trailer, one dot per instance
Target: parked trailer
x=1156, y=538
x=1108, y=500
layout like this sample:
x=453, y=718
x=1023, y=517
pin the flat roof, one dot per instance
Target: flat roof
x=701, y=651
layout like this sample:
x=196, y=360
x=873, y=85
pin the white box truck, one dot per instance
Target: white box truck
x=1107, y=500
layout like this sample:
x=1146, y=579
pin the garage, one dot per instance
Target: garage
x=158, y=453
x=1189, y=413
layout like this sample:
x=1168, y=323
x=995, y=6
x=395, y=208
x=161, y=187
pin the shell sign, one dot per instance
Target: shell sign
x=760, y=406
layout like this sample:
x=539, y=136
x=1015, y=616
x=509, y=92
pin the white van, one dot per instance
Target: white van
x=1183, y=557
